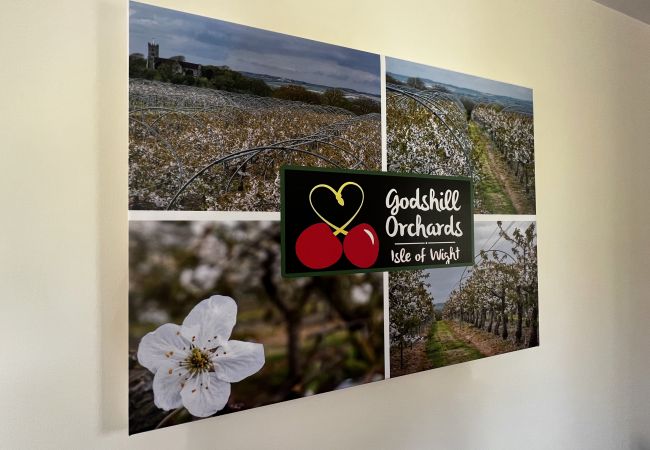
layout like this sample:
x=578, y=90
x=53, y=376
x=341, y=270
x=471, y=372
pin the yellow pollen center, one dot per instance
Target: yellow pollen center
x=198, y=362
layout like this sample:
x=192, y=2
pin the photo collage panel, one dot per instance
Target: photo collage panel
x=217, y=113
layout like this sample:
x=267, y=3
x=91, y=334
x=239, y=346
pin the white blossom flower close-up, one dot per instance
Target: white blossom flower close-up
x=195, y=363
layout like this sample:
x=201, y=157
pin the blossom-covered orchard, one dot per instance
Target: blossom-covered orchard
x=512, y=132
x=500, y=293
x=433, y=131
x=427, y=132
x=410, y=309
x=193, y=148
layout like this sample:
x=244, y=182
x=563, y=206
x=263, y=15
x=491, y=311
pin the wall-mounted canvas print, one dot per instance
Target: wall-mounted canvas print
x=216, y=108
x=371, y=264
x=441, y=122
x=214, y=328
x=440, y=317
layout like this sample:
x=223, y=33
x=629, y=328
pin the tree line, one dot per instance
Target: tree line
x=513, y=135
x=410, y=308
x=501, y=289
x=225, y=79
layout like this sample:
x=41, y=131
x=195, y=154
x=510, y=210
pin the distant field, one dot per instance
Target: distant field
x=193, y=148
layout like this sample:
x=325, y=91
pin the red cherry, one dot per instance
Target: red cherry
x=361, y=246
x=317, y=247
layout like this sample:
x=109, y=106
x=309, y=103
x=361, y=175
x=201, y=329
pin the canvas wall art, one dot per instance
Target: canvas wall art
x=280, y=248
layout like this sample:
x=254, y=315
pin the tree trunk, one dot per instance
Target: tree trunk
x=293, y=331
x=520, y=323
x=534, y=330
x=504, y=334
x=520, y=320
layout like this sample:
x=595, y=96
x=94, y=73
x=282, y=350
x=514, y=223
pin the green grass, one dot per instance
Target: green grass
x=489, y=191
x=434, y=347
x=443, y=349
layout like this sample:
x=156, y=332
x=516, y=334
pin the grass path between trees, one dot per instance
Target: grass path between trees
x=444, y=347
x=499, y=191
x=447, y=343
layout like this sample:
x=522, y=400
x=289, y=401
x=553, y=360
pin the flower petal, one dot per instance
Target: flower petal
x=237, y=360
x=167, y=384
x=162, y=345
x=211, y=320
x=204, y=394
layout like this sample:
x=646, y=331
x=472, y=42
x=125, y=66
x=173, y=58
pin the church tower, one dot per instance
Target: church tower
x=152, y=54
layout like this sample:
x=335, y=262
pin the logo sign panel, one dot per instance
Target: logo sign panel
x=346, y=221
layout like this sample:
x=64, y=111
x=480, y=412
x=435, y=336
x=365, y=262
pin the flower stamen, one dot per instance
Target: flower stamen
x=198, y=362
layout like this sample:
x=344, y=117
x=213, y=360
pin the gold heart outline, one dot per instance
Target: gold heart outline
x=339, y=199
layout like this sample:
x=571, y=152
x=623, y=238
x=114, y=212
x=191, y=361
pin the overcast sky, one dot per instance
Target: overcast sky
x=209, y=41
x=458, y=79
x=486, y=234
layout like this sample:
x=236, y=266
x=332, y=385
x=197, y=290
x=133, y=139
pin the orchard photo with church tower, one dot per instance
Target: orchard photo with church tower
x=217, y=108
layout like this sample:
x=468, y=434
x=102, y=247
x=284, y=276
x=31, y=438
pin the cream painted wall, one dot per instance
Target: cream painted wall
x=63, y=234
